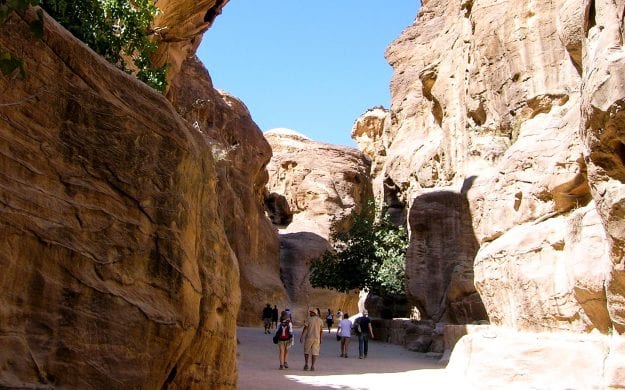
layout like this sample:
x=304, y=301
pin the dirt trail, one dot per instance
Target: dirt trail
x=386, y=367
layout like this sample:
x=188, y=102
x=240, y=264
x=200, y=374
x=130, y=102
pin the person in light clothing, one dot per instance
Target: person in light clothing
x=345, y=332
x=312, y=333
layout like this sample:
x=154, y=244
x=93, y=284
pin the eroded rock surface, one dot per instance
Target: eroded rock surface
x=241, y=154
x=485, y=109
x=116, y=268
x=320, y=183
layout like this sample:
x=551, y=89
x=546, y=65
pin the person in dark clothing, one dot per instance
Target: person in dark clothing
x=363, y=329
x=274, y=317
x=267, y=318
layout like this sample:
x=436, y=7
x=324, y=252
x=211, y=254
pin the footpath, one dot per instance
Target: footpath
x=386, y=367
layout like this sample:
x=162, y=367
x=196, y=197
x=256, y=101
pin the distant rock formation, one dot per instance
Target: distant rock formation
x=318, y=185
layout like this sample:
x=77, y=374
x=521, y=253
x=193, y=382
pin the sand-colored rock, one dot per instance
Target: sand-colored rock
x=604, y=137
x=116, y=269
x=320, y=183
x=179, y=27
x=494, y=358
x=242, y=154
x=485, y=108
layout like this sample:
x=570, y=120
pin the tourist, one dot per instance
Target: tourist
x=344, y=331
x=329, y=320
x=274, y=317
x=363, y=329
x=312, y=333
x=267, y=318
x=285, y=339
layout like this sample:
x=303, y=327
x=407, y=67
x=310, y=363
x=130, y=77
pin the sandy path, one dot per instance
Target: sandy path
x=387, y=366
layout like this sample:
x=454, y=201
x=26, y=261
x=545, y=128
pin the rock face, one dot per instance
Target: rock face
x=482, y=149
x=179, y=28
x=241, y=154
x=116, y=268
x=316, y=182
x=603, y=132
x=489, y=357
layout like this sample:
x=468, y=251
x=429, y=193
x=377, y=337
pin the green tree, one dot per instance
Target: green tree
x=370, y=255
x=118, y=30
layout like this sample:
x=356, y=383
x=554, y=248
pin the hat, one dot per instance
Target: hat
x=312, y=311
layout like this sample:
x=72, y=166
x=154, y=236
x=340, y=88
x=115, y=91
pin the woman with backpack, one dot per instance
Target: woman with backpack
x=284, y=334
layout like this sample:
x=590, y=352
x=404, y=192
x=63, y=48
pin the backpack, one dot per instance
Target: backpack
x=282, y=334
x=356, y=327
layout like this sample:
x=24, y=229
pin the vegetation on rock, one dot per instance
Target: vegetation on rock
x=369, y=256
x=119, y=30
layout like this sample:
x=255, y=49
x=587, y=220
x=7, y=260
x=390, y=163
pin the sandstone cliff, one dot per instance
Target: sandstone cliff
x=116, y=268
x=316, y=185
x=241, y=156
x=503, y=148
x=484, y=133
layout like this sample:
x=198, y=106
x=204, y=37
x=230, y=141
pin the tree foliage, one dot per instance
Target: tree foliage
x=119, y=30
x=370, y=255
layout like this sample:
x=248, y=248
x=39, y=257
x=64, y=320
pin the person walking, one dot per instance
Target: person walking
x=345, y=332
x=267, y=318
x=312, y=333
x=363, y=329
x=274, y=317
x=285, y=338
x=329, y=320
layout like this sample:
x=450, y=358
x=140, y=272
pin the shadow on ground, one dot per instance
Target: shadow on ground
x=386, y=365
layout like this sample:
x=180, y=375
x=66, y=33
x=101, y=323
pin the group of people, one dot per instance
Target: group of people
x=312, y=334
x=270, y=317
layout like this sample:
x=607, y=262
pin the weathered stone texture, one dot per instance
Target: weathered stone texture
x=242, y=154
x=485, y=109
x=603, y=133
x=321, y=184
x=116, y=269
x=495, y=358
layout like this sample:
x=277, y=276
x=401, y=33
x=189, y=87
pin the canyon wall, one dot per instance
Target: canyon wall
x=118, y=270
x=482, y=153
x=312, y=187
x=503, y=152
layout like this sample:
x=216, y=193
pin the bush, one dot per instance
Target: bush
x=116, y=29
x=370, y=255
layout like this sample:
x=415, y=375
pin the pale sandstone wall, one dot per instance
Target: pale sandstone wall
x=116, y=269
x=318, y=182
x=486, y=111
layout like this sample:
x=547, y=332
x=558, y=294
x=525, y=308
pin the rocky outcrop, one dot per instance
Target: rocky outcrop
x=178, y=29
x=241, y=154
x=484, y=153
x=321, y=184
x=489, y=357
x=603, y=133
x=116, y=268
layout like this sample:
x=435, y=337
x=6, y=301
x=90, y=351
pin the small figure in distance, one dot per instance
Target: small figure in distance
x=285, y=339
x=329, y=320
x=274, y=317
x=345, y=332
x=267, y=318
x=312, y=333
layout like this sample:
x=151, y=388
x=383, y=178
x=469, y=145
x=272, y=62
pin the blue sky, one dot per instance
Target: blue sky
x=310, y=66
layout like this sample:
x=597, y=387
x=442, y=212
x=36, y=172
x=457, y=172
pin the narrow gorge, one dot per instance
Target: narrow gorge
x=140, y=229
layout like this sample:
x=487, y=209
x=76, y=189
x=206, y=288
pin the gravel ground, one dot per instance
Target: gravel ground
x=387, y=366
